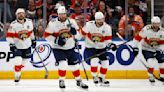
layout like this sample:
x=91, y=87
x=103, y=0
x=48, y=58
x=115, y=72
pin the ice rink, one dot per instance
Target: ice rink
x=49, y=85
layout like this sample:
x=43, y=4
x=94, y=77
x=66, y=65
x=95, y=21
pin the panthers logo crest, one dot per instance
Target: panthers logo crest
x=23, y=35
x=97, y=37
x=65, y=34
x=154, y=42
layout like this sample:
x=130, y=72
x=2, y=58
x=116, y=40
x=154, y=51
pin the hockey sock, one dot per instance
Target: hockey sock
x=104, y=68
x=62, y=69
x=94, y=66
x=151, y=63
x=76, y=71
x=161, y=69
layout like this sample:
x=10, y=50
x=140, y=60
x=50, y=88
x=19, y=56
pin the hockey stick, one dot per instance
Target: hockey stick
x=96, y=55
x=46, y=70
x=142, y=61
x=76, y=44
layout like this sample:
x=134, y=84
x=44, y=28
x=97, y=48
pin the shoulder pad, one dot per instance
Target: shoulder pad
x=148, y=27
x=15, y=21
x=92, y=22
x=27, y=19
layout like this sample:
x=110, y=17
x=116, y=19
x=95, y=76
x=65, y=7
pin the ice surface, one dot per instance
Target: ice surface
x=50, y=85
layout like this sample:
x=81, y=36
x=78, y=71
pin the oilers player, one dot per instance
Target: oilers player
x=60, y=34
x=153, y=40
x=20, y=37
x=98, y=38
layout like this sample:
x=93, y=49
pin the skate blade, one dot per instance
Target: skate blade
x=96, y=85
x=62, y=89
x=104, y=85
x=82, y=88
x=16, y=83
x=153, y=83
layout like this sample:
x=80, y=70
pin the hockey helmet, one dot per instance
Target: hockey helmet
x=19, y=10
x=155, y=19
x=99, y=15
x=61, y=9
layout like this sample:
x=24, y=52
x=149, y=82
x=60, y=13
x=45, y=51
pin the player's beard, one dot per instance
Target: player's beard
x=99, y=24
x=63, y=19
x=155, y=28
x=21, y=18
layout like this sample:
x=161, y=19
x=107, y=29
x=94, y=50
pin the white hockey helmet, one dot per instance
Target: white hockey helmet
x=155, y=19
x=99, y=15
x=61, y=9
x=19, y=10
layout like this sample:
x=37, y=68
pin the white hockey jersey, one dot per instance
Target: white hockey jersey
x=97, y=37
x=57, y=28
x=151, y=40
x=20, y=34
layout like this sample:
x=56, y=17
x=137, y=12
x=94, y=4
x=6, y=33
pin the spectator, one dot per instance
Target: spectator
x=38, y=3
x=54, y=11
x=50, y=7
x=135, y=23
x=93, y=11
x=81, y=2
x=31, y=11
x=38, y=22
x=143, y=7
x=39, y=33
x=8, y=12
x=23, y=4
x=78, y=15
x=102, y=7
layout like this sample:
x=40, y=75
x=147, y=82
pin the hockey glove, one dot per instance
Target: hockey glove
x=112, y=46
x=135, y=51
x=33, y=44
x=13, y=48
x=73, y=31
x=61, y=41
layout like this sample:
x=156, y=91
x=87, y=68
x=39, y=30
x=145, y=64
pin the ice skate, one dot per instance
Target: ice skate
x=62, y=84
x=103, y=82
x=80, y=84
x=152, y=81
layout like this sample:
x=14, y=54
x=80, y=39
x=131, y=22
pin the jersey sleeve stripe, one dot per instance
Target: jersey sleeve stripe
x=161, y=42
x=83, y=33
x=138, y=38
x=11, y=35
x=46, y=34
x=107, y=37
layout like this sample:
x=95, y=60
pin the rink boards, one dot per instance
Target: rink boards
x=122, y=63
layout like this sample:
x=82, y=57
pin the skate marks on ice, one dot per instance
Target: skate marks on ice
x=53, y=86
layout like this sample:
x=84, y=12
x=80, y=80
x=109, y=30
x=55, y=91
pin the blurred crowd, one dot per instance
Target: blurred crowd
x=80, y=10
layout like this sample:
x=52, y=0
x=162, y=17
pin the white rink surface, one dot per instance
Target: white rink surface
x=50, y=85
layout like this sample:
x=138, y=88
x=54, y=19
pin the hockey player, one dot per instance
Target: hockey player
x=61, y=33
x=98, y=38
x=20, y=38
x=153, y=39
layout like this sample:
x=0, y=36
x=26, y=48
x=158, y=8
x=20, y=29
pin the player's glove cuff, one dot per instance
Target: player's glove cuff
x=13, y=48
x=73, y=31
x=33, y=44
x=112, y=46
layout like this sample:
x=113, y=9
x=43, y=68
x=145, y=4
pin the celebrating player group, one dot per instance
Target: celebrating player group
x=63, y=34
